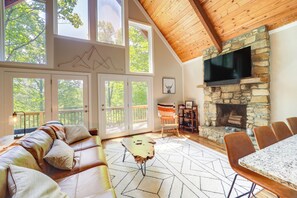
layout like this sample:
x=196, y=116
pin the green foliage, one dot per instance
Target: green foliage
x=70, y=94
x=139, y=93
x=107, y=33
x=114, y=94
x=138, y=50
x=65, y=12
x=28, y=94
x=24, y=24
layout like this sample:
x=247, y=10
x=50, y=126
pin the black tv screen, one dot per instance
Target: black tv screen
x=232, y=66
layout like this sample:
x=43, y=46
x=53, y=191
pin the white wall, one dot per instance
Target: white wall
x=283, y=61
x=193, y=76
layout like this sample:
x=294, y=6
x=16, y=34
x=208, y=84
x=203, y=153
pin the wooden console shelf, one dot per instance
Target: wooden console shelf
x=188, y=118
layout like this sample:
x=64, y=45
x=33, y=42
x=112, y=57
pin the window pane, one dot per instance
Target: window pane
x=73, y=18
x=139, y=52
x=139, y=105
x=110, y=25
x=24, y=25
x=28, y=97
x=70, y=101
x=114, y=106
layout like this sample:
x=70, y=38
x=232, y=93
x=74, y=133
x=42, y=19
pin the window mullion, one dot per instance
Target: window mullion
x=2, y=31
x=93, y=19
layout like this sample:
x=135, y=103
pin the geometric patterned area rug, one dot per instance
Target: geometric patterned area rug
x=180, y=168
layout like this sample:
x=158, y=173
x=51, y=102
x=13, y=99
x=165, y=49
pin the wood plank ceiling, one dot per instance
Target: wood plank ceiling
x=185, y=32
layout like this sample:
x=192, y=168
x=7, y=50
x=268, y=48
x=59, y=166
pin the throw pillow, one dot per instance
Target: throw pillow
x=60, y=156
x=76, y=133
x=25, y=182
x=38, y=143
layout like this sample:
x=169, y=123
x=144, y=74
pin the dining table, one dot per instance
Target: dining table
x=277, y=162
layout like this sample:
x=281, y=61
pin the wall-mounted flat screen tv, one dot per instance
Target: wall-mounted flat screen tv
x=228, y=68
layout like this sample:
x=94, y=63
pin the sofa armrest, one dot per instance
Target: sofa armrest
x=93, y=132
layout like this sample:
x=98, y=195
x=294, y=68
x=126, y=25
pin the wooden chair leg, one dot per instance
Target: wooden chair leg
x=177, y=132
x=162, y=131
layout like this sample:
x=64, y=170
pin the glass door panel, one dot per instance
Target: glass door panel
x=28, y=98
x=70, y=100
x=140, y=100
x=28, y=103
x=139, y=105
x=113, y=106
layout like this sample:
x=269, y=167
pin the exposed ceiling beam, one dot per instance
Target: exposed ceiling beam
x=207, y=24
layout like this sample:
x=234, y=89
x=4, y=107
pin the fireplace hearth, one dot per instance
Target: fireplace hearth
x=233, y=115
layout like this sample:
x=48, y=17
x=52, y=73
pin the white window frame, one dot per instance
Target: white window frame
x=149, y=29
x=56, y=29
x=49, y=40
x=93, y=26
x=123, y=25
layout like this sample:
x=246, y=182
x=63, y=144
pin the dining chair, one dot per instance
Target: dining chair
x=238, y=145
x=168, y=117
x=281, y=130
x=264, y=136
x=293, y=124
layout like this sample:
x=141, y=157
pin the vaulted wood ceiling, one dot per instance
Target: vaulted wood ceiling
x=186, y=33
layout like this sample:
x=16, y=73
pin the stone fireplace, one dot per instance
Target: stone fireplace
x=233, y=115
x=250, y=95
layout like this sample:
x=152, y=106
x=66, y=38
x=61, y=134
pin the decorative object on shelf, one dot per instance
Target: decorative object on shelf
x=14, y=119
x=92, y=60
x=168, y=85
x=188, y=117
x=189, y=104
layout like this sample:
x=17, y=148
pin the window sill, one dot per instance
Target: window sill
x=89, y=41
x=140, y=73
x=25, y=65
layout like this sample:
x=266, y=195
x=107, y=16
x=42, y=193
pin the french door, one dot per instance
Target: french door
x=70, y=99
x=37, y=98
x=125, y=105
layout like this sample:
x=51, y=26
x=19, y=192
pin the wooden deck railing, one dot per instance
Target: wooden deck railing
x=114, y=117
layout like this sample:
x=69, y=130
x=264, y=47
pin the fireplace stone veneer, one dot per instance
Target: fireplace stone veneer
x=253, y=93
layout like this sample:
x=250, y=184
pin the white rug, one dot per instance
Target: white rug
x=180, y=168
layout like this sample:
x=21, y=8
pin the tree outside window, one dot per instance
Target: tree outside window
x=24, y=29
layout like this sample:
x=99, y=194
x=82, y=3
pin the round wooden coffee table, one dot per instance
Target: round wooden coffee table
x=142, y=149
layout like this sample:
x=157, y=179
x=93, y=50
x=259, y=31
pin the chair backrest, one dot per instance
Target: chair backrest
x=238, y=145
x=264, y=136
x=293, y=124
x=281, y=130
x=166, y=109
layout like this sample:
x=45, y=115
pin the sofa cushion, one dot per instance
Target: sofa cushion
x=84, y=160
x=38, y=144
x=60, y=156
x=76, y=133
x=17, y=156
x=93, y=182
x=49, y=131
x=25, y=182
x=90, y=142
x=58, y=128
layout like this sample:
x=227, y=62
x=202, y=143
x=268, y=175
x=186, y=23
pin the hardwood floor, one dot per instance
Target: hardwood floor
x=201, y=140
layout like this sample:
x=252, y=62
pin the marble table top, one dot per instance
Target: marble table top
x=277, y=162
